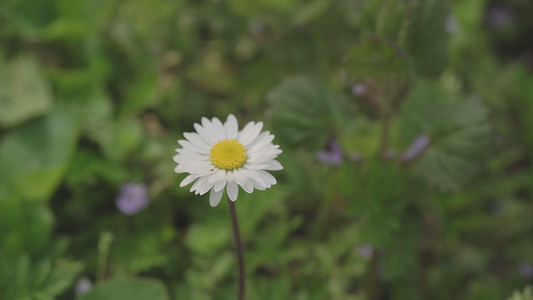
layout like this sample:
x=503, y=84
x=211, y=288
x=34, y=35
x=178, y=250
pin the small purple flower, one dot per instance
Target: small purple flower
x=525, y=269
x=132, y=198
x=451, y=25
x=332, y=154
x=499, y=17
x=83, y=286
x=359, y=89
x=419, y=145
x=366, y=251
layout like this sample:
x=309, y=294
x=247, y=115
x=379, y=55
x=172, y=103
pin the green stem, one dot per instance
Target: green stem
x=238, y=249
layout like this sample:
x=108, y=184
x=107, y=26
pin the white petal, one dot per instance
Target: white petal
x=217, y=176
x=214, y=198
x=197, y=185
x=188, y=145
x=188, y=180
x=247, y=186
x=246, y=130
x=204, y=134
x=205, y=187
x=210, y=129
x=239, y=178
x=231, y=127
x=274, y=165
x=219, y=127
x=248, y=173
x=261, y=141
x=258, y=183
x=233, y=190
x=219, y=185
x=196, y=140
x=230, y=176
x=256, y=167
x=267, y=177
x=247, y=139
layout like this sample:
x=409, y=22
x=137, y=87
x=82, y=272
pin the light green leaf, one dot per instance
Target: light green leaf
x=128, y=289
x=24, y=93
x=305, y=112
x=34, y=157
x=527, y=294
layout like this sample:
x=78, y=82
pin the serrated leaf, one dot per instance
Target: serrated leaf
x=427, y=38
x=44, y=280
x=458, y=131
x=25, y=227
x=24, y=93
x=375, y=58
x=305, y=112
x=34, y=157
x=128, y=289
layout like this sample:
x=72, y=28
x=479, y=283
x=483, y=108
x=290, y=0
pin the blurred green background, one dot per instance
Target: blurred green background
x=405, y=127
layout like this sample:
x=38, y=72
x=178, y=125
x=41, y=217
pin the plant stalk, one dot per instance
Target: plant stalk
x=238, y=250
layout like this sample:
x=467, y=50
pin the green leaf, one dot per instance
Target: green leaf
x=527, y=294
x=25, y=227
x=427, y=40
x=43, y=280
x=305, y=112
x=34, y=157
x=375, y=58
x=24, y=93
x=458, y=130
x=128, y=289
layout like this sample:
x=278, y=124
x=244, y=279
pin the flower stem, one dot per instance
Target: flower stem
x=238, y=249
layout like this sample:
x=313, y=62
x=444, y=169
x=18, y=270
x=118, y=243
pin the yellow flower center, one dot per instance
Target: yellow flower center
x=228, y=154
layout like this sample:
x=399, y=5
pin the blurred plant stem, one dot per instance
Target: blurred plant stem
x=238, y=250
x=386, y=115
x=104, y=243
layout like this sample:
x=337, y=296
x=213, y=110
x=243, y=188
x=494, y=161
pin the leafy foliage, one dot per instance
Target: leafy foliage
x=405, y=130
x=305, y=111
x=525, y=295
x=128, y=288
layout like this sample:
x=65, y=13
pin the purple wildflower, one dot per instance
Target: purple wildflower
x=83, y=286
x=525, y=269
x=451, y=25
x=366, y=251
x=332, y=154
x=359, y=89
x=419, y=145
x=132, y=198
x=499, y=17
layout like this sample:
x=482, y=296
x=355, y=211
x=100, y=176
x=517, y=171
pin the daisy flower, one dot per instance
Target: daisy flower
x=219, y=156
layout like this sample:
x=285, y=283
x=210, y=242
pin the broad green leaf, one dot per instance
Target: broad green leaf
x=24, y=93
x=458, y=131
x=34, y=157
x=306, y=112
x=128, y=289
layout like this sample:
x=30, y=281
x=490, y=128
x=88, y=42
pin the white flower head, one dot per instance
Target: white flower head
x=219, y=156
